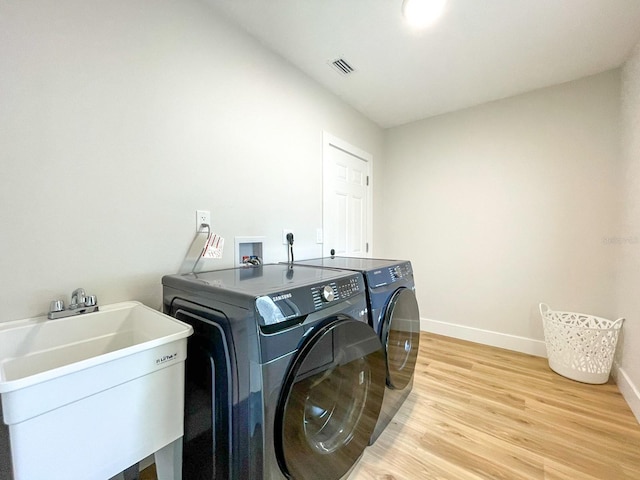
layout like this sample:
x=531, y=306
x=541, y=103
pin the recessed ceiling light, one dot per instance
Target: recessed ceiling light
x=422, y=13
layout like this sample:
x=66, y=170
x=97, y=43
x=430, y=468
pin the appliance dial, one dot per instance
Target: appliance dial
x=327, y=294
x=398, y=272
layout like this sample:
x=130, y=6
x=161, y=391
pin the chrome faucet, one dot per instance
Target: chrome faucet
x=78, y=299
x=80, y=303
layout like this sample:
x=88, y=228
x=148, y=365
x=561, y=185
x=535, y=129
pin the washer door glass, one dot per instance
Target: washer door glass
x=401, y=337
x=330, y=400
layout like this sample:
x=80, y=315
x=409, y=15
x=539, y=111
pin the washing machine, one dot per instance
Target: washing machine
x=394, y=315
x=284, y=375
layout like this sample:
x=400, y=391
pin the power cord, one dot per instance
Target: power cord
x=290, y=249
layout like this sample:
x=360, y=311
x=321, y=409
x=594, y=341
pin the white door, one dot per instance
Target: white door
x=346, y=218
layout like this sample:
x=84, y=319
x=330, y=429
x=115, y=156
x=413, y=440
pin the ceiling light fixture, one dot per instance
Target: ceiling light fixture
x=422, y=13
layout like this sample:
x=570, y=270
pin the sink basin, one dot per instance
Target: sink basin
x=39, y=349
x=94, y=393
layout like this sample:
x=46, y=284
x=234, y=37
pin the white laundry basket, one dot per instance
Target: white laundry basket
x=579, y=346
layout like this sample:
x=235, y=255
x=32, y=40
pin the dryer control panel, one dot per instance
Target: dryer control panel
x=400, y=271
x=380, y=277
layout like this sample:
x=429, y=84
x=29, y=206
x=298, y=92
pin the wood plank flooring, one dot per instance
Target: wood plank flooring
x=479, y=412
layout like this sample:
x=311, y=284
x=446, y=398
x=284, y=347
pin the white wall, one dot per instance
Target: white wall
x=628, y=247
x=506, y=205
x=120, y=118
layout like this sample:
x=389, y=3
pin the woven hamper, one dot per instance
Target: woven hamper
x=579, y=346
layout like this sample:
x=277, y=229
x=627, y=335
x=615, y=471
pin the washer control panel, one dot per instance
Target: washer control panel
x=338, y=290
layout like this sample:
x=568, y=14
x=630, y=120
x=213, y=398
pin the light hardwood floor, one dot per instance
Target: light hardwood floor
x=478, y=412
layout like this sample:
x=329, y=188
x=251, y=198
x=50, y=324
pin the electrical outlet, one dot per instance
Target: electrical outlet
x=284, y=235
x=203, y=217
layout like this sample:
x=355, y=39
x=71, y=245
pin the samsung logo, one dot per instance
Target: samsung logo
x=284, y=296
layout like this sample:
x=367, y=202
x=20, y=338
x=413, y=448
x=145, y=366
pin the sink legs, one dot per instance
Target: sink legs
x=169, y=461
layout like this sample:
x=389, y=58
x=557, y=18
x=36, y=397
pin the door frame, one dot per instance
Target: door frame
x=331, y=141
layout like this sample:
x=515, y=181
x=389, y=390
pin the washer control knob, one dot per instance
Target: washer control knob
x=398, y=272
x=327, y=294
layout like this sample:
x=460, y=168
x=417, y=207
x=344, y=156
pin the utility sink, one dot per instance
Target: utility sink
x=87, y=396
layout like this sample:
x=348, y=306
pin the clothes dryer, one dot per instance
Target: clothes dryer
x=284, y=376
x=394, y=315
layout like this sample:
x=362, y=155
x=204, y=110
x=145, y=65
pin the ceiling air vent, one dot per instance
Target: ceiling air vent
x=342, y=67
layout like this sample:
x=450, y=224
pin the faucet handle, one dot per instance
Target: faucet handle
x=91, y=301
x=56, y=306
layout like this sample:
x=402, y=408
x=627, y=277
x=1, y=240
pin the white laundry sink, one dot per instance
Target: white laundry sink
x=89, y=395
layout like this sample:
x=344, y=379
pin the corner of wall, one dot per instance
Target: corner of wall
x=629, y=390
x=626, y=370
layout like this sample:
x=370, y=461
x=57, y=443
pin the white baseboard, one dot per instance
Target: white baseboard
x=629, y=391
x=486, y=337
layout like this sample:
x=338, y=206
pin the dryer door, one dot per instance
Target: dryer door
x=330, y=400
x=401, y=337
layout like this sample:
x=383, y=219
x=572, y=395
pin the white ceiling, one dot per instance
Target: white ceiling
x=480, y=50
